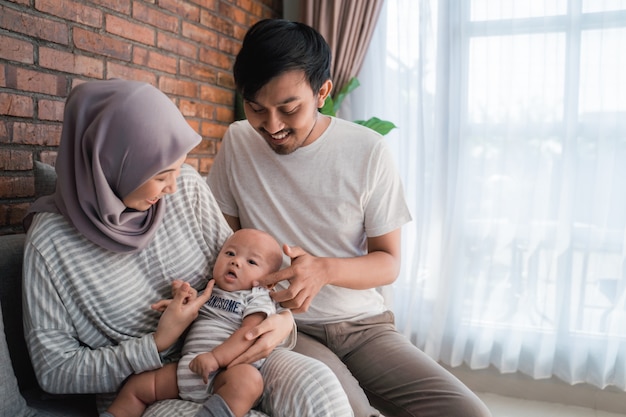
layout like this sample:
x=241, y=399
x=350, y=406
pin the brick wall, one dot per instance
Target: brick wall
x=186, y=48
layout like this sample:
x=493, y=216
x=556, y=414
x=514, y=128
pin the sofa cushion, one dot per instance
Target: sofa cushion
x=12, y=250
x=45, y=179
x=11, y=401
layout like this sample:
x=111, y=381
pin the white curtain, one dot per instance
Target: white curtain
x=511, y=143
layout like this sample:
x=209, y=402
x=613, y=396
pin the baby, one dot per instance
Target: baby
x=216, y=337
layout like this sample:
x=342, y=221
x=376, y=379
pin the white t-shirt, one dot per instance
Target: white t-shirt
x=326, y=197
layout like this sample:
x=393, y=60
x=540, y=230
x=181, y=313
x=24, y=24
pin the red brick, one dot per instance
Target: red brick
x=148, y=14
x=122, y=6
x=233, y=13
x=182, y=8
x=12, y=214
x=17, y=212
x=14, y=187
x=71, y=62
x=38, y=82
x=195, y=109
x=217, y=95
x=195, y=124
x=176, y=45
x=239, y=32
x=216, y=58
x=229, y=45
x=152, y=59
x=37, y=134
x=51, y=110
x=205, y=166
x=254, y=8
x=11, y=160
x=216, y=23
x=199, y=34
x=16, y=105
x=4, y=132
x=3, y=80
x=198, y=71
x=101, y=44
x=46, y=29
x=70, y=10
x=178, y=87
x=48, y=157
x=129, y=30
x=223, y=114
x=193, y=162
x=213, y=130
x=206, y=4
x=225, y=79
x=16, y=50
x=130, y=73
x=204, y=148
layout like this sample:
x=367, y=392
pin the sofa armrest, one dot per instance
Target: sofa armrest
x=12, y=250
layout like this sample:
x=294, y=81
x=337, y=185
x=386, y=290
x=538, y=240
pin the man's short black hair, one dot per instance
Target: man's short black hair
x=273, y=46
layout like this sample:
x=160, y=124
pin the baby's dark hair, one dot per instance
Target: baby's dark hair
x=274, y=46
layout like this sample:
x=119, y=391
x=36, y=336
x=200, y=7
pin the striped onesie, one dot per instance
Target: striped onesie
x=218, y=318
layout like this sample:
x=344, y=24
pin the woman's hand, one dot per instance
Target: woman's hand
x=191, y=294
x=179, y=313
x=270, y=333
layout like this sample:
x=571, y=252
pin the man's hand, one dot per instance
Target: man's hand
x=179, y=314
x=204, y=365
x=306, y=275
x=270, y=333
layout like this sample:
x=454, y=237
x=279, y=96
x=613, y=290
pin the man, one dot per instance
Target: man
x=330, y=187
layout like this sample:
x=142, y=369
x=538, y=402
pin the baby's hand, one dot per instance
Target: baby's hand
x=204, y=365
x=192, y=294
x=179, y=314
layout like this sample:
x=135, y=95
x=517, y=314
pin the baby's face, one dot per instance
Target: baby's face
x=245, y=257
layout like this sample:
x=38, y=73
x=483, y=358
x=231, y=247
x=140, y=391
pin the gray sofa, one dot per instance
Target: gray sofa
x=20, y=394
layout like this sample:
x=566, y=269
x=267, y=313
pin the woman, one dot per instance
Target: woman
x=127, y=219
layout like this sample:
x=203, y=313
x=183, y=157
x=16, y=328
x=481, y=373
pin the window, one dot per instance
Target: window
x=512, y=148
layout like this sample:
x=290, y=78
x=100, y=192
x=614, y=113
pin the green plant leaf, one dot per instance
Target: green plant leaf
x=345, y=90
x=381, y=126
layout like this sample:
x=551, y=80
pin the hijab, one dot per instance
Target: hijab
x=116, y=135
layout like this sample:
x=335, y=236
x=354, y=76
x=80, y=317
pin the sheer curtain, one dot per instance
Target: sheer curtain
x=512, y=148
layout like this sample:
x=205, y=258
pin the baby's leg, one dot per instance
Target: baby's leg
x=240, y=387
x=143, y=389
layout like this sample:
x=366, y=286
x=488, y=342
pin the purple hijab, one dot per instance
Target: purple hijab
x=116, y=135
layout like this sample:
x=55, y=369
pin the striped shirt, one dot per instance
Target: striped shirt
x=87, y=317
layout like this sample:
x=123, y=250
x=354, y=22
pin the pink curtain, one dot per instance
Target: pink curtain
x=347, y=26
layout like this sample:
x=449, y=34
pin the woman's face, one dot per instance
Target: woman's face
x=156, y=187
x=284, y=111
